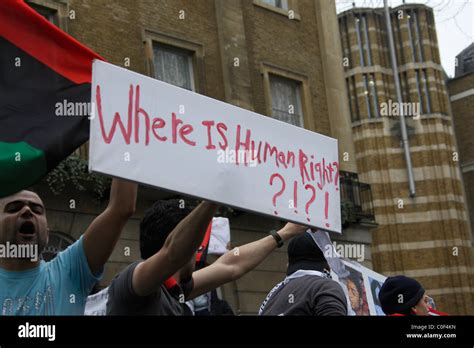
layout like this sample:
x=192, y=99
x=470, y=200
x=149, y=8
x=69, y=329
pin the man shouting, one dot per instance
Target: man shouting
x=29, y=286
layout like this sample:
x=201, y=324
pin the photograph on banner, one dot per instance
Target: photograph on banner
x=157, y=134
x=356, y=291
x=375, y=286
x=361, y=287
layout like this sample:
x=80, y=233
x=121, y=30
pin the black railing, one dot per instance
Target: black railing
x=359, y=195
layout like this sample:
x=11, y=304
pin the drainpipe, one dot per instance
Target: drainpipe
x=403, y=127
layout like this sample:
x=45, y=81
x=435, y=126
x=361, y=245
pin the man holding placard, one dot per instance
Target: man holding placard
x=286, y=172
x=169, y=238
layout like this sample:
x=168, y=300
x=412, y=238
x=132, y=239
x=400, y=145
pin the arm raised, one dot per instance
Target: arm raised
x=235, y=263
x=178, y=249
x=103, y=233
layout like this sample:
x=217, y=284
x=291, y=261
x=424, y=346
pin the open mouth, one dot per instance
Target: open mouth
x=27, y=229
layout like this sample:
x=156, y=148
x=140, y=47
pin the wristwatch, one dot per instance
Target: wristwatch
x=277, y=237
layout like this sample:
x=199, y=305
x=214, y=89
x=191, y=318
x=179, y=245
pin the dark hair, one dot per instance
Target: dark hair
x=373, y=286
x=356, y=279
x=158, y=222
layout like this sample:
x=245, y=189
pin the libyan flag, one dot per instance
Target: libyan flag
x=42, y=69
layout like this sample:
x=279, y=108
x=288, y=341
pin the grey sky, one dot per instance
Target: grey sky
x=454, y=24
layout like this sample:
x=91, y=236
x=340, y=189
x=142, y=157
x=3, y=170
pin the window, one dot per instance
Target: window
x=173, y=65
x=441, y=96
x=381, y=40
x=414, y=36
x=283, y=4
x=419, y=92
x=349, y=97
x=468, y=64
x=359, y=41
x=363, y=41
x=286, y=100
x=346, y=41
x=354, y=104
x=366, y=40
x=426, y=91
x=405, y=87
x=399, y=50
x=418, y=38
x=366, y=96
x=371, y=97
x=49, y=13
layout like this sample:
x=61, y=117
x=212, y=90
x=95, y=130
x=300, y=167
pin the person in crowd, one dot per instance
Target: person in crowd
x=31, y=286
x=402, y=296
x=165, y=279
x=209, y=304
x=307, y=289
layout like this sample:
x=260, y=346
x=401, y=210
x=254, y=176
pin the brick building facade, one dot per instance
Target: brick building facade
x=426, y=236
x=262, y=55
x=461, y=92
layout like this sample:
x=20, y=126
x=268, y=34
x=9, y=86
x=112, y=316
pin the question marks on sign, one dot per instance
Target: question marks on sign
x=279, y=193
x=326, y=206
x=336, y=178
x=295, y=196
x=311, y=200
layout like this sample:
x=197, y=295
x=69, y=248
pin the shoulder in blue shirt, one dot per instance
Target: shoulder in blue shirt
x=58, y=287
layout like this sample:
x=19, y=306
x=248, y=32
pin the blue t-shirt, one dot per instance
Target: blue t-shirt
x=57, y=287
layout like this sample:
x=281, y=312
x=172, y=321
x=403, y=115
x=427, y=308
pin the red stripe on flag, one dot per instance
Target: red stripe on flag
x=35, y=35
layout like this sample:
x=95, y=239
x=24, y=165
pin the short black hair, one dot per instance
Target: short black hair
x=158, y=222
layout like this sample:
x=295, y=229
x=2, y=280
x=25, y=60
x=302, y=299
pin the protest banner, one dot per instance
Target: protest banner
x=361, y=287
x=161, y=135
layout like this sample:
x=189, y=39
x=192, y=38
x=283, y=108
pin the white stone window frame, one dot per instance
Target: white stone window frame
x=195, y=49
x=188, y=56
x=295, y=86
x=60, y=9
x=267, y=69
x=287, y=6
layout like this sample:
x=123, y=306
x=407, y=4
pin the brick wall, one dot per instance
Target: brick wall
x=418, y=237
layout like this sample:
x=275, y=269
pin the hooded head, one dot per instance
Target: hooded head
x=304, y=254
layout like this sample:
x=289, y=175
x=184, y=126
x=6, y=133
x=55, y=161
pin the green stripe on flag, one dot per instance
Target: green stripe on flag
x=21, y=165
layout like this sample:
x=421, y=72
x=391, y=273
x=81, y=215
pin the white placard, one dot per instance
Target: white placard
x=220, y=236
x=154, y=133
